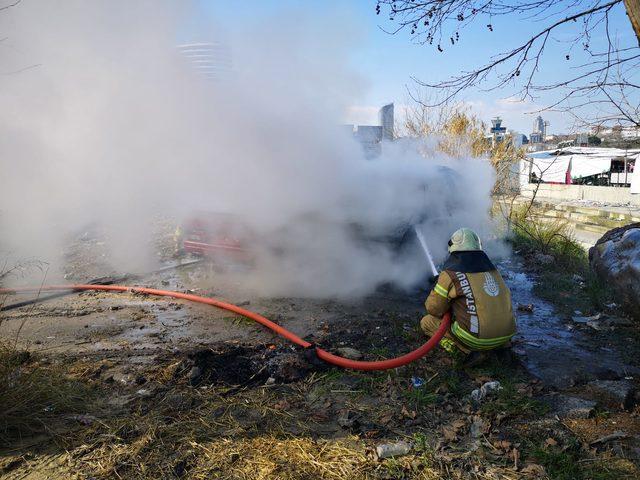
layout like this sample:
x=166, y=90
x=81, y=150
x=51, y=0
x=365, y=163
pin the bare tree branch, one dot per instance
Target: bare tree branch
x=611, y=69
x=10, y=5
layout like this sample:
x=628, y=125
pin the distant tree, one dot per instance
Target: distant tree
x=460, y=134
x=607, y=79
x=593, y=140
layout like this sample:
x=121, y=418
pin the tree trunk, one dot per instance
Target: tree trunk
x=633, y=11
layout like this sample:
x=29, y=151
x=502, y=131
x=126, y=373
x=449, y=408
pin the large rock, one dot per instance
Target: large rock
x=616, y=259
x=566, y=406
x=617, y=393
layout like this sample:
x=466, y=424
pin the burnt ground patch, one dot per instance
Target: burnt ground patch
x=245, y=365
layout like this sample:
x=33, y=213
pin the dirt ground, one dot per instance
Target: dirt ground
x=179, y=390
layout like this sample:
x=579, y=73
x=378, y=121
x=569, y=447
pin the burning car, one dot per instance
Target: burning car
x=228, y=238
x=217, y=236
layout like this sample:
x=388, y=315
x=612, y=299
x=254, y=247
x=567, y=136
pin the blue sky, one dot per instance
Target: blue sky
x=388, y=62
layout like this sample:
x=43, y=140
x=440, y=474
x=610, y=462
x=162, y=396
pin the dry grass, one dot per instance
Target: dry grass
x=261, y=433
x=253, y=434
x=32, y=396
x=269, y=457
x=263, y=457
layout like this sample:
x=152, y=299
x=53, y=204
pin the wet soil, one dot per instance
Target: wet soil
x=92, y=322
x=560, y=352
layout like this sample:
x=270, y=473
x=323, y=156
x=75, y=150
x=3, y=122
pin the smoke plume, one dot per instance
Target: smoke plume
x=105, y=122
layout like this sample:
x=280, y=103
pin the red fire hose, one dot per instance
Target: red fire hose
x=322, y=354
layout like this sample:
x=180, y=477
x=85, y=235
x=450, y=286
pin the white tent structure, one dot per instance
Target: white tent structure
x=566, y=164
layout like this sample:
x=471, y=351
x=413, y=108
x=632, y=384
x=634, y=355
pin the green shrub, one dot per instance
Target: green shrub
x=533, y=233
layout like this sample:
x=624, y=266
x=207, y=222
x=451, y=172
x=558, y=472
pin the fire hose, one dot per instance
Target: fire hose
x=278, y=329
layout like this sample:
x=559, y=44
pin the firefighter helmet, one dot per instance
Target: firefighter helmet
x=464, y=240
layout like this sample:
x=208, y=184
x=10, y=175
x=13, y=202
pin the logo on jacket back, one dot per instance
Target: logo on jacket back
x=490, y=286
x=465, y=286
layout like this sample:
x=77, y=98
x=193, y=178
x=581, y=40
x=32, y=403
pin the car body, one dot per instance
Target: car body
x=231, y=238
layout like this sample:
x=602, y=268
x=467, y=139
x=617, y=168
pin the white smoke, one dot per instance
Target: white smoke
x=112, y=125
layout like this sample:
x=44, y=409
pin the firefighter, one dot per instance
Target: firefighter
x=480, y=302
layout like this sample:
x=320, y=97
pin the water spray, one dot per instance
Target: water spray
x=425, y=248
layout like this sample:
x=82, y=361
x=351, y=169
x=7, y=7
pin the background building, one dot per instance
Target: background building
x=497, y=132
x=539, y=133
x=387, y=121
x=371, y=137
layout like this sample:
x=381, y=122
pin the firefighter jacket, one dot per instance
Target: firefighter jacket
x=480, y=302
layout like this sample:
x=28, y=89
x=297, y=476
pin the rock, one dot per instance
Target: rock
x=616, y=259
x=397, y=449
x=350, y=353
x=620, y=393
x=565, y=406
x=481, y=393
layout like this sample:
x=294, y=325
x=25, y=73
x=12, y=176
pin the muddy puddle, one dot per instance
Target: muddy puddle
x=164, y=323
x=552, y=348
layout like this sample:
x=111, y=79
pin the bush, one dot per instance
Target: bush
x=532, y=233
